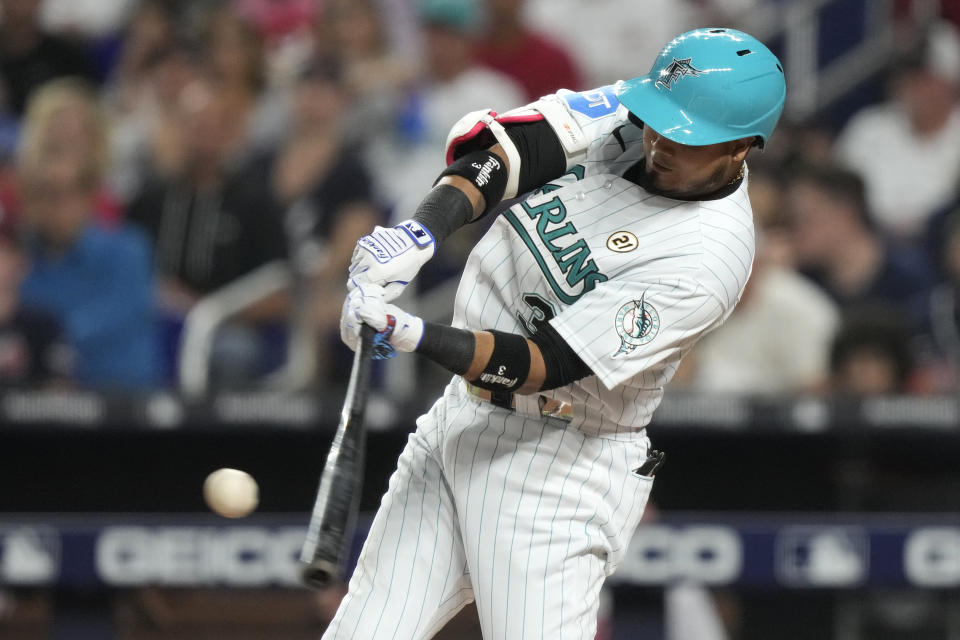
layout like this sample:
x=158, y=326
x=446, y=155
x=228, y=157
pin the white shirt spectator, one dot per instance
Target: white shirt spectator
x=777, y=341
x=88, y=18
x=907, y=177
x=608, y=37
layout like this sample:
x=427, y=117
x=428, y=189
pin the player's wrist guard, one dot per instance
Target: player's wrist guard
x=485, y=171
x=509, y=364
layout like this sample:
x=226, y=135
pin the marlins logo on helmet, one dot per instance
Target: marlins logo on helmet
x=676, y=70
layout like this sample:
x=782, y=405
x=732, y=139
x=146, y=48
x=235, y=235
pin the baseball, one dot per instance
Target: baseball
x=231, y=493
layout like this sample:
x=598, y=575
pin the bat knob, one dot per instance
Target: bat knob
x=319, y=574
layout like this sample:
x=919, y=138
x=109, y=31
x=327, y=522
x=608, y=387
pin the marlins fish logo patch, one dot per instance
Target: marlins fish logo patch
x=676, y=70
x=637, y=324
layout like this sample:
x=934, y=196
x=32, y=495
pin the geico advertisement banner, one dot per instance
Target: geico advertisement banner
x=749, y=551
x=137, y=555
x=238, y=556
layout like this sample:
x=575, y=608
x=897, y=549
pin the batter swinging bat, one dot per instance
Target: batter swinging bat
x=335, y=510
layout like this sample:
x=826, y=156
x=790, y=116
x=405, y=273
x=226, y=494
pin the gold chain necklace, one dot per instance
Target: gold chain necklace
x=739, y=175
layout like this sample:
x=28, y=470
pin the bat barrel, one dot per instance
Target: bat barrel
x=338, y=496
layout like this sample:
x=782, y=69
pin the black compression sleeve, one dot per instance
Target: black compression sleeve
x=453, y=349
x=541, y=157
x=444, y=210
x=448, y=346
x=561, y=362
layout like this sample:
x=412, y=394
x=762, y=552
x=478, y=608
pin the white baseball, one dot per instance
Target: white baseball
x=231, y=493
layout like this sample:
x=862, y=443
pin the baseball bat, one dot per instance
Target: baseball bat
x=338, y=497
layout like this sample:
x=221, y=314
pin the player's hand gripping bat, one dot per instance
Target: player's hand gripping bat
x=335, y=510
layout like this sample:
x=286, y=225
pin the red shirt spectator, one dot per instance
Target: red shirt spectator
x=948, y=10
x=278, y=18
x=538, y=64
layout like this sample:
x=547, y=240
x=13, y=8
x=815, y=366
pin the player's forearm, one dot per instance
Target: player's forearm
x=492, y=361
x=445, y=209
x=504, y=362
x=464, y=192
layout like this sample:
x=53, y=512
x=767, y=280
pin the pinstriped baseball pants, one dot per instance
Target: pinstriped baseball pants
x=523, y=515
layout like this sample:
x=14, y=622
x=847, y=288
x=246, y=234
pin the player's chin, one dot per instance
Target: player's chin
x=669, y=187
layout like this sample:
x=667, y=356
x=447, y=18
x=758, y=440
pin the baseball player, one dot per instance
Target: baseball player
x=623, y=234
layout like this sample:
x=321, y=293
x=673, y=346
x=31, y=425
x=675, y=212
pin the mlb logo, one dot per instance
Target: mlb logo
x=29, y=556
x=822, y=556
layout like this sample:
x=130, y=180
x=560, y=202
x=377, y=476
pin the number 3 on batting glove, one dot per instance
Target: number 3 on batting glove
x=391, y=257
x=397, y=330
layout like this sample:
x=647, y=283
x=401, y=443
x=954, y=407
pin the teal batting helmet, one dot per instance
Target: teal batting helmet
x=709, y=86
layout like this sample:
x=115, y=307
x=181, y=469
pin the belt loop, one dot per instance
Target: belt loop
x=528, y=405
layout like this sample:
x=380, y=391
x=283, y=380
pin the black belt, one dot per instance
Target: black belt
x=548, y=407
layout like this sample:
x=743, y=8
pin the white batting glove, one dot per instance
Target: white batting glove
x=397, y=330
x=391, y=257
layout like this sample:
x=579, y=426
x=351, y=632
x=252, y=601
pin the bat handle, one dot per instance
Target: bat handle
x=320, y=574
x=365, y=348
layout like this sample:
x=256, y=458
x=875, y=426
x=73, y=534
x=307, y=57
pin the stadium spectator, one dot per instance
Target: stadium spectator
x=778, y=338
x=278, y=20
x=607, y=38
x=9, y=130
x=30, y=57
x=33, y=350
x=138, y=94
x=206, y=227
x=907, y=149
x=324, y=191
x=837, y=245
x=150, y=32
x=938, y=350
x=96, y=282
x=870, y=353
x=92, y=20
x=233, y=51
x=64, y=118
x=147, y=143
x=798, y=144
x=906, y=11
x=539, y=64
x=209, y=226
x=378, y=71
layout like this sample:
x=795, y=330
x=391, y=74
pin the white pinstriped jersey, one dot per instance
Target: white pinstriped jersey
x=515, y=511
x=631, y=280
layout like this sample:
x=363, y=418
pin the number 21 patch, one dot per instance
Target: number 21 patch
x=622, y=242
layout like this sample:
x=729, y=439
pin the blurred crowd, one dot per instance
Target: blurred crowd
x=161, y=161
